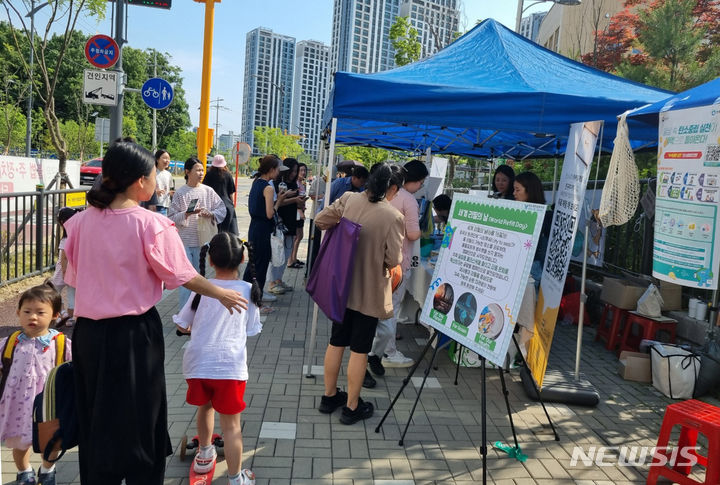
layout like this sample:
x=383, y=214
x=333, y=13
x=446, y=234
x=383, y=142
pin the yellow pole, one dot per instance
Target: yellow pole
x=202, y=133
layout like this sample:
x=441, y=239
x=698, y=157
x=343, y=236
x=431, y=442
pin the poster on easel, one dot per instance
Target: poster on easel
x=481, y=272
x=686, y=244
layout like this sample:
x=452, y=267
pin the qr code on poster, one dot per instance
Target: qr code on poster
x=558, y=251
x=713, y=153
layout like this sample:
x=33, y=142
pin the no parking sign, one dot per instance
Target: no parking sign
x=102, y=51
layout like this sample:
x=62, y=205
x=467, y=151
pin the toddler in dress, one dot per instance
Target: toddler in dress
x=33, y=359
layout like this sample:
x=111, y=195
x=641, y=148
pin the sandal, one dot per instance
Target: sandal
x=266, y=310
x=295, y=265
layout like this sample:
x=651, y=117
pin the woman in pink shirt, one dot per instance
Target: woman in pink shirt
x=119, y=255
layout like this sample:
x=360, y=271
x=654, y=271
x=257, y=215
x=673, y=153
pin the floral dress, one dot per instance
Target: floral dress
x=33, y=360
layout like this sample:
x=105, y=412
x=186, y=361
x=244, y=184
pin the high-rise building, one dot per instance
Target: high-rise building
x=227, y=141
x=530, y=25
x=268, y=83
x=360, y=35
x=310, y=92
x=435, y=20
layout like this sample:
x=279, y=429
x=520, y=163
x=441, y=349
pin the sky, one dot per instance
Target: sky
x=179, y=32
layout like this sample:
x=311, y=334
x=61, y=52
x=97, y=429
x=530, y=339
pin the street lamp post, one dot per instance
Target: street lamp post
x=520, y=9
x=28, y=115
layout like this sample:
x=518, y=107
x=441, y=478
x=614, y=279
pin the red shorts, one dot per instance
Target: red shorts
x=226, y=395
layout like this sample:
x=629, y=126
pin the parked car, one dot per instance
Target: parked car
x=90, y=170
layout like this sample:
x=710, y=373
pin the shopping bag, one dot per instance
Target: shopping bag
x=277, y=247
x=650, y=303
x=206, y=229
x=331, y=275
x=674, y=370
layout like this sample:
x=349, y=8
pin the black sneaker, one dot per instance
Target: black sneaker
x=375, y=363
x=328, y=404
x=363, y=411
x=369, y=382
x=46, y=478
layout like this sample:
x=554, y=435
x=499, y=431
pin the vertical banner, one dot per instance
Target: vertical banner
x=569, y=202
x=481, y=272
x=685, y=250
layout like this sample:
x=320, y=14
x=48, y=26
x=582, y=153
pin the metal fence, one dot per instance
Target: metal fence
x=29, y=231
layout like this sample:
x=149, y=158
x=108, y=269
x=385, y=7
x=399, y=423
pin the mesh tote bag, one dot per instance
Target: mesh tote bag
x=622, y=187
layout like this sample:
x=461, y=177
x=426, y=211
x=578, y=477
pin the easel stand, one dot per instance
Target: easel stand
x=483, y=393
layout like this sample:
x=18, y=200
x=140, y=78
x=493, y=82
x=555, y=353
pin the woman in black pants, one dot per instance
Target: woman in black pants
x=262, y=204
x=119, y=256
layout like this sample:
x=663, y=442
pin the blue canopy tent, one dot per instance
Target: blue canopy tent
x=703, y=95
x=491, y=92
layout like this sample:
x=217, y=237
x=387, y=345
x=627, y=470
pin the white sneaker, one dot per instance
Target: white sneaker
x=397, y=360
x=268, y=296
x=204, y=465
x=247, y=477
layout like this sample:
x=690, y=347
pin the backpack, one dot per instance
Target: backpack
x=54, y=422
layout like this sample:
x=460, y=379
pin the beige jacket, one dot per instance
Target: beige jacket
x=379, y=248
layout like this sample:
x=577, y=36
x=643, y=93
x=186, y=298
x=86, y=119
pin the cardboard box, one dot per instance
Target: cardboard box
x=671, y=295
x=634, y=366
x=624, y=294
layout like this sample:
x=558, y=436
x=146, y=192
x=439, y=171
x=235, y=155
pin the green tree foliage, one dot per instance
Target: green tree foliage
x=63, y=16
x=404, y=38
x=181, y=145
x=272, y=140
x=366, y=155
x=671, y=44
x=80, y=138
x=12, y=127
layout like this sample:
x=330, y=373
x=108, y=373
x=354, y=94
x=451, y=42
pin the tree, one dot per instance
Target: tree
x=404, y=38
x=12, y=127
x=80, y=138
x=368, y=156
x=672, y=44
x=181, y=144
x=63, y=17
x=272, y=140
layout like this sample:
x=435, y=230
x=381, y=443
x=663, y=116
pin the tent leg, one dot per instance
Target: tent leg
x=313, y=328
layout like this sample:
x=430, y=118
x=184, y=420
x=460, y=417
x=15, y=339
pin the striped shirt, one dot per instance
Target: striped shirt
x=188, y=226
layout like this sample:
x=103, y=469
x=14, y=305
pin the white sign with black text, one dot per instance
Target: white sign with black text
x=100, y=87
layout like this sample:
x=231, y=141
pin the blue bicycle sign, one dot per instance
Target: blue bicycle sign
x=157, y=93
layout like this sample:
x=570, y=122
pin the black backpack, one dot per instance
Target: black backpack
x=55, y=423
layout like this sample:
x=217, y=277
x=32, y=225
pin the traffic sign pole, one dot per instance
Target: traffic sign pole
x=202, y=133
x=116, y=113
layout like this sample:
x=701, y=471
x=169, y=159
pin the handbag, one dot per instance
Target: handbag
x=331, y=275
x=279, y=224
x=650, y=303
x=277, y=248
x=206, y=229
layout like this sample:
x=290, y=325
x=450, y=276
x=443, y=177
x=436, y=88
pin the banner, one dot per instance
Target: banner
x=685, y=250
x=482, y=271
x=569, y=200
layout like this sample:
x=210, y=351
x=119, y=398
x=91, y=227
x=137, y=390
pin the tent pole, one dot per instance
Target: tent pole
x=583, y=298
x=318, y=173
x=313, y=328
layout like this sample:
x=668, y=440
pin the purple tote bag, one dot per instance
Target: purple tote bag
x=329, y=282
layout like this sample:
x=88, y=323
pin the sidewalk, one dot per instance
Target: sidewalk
x=287, y=440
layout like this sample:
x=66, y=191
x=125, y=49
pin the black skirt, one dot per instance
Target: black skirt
x=121, y=399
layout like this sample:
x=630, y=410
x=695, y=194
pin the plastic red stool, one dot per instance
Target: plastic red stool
x=570, y=306
x=611, y=333
x=693, y=416
x=649, y=329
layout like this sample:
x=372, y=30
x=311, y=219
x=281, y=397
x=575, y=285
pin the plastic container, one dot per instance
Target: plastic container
x=701, y=310
x=692, y=307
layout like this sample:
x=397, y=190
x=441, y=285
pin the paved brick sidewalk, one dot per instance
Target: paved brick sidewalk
x=288, y=441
